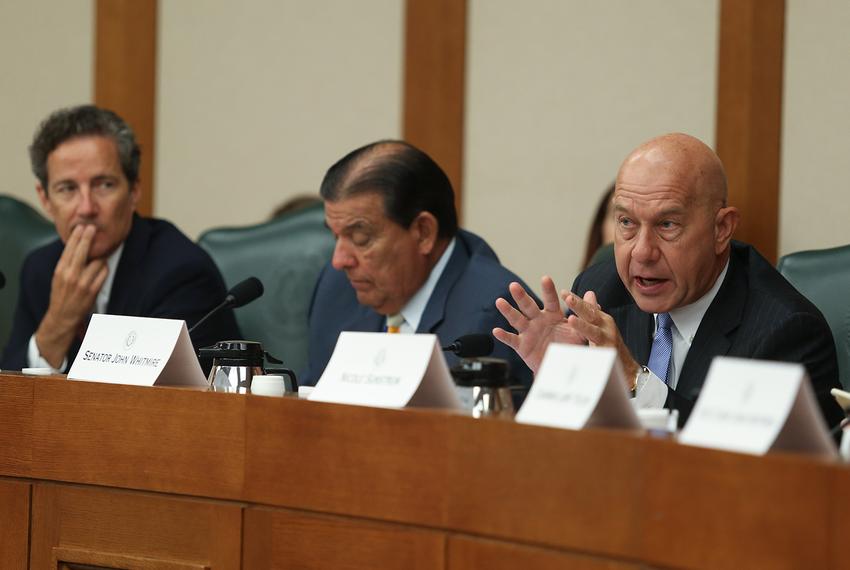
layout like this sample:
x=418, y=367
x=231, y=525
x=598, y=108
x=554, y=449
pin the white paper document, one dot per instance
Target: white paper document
x=139, y=351
x=753, y=406
x=388, y=371
x=578, y=387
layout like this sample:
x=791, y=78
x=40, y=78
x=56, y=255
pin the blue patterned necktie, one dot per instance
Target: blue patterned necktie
x=662, y=348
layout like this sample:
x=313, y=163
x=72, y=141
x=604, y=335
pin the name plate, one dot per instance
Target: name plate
x=388, y=371
x=139, y=351
x=578, y=387
x=753, y=406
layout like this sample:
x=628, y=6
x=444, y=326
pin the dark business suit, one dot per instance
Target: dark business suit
x=756, y=314
x=463, y=302
x=161, y=273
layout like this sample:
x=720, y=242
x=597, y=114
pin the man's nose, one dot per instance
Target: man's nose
x=342, y=257
x=646, y=246
x=87, y=206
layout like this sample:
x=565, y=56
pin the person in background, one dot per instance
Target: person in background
x=601, y=229
x=400, y=262
x=108, y=259
x=679, y=291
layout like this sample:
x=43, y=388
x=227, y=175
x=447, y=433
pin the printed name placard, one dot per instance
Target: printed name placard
x=388, y=371
x=139, y=351
x=753, y=406
x=578, y=387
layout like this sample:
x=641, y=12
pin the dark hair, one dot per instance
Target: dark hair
x=407, y=179
x=594, y=236
x=80, y=121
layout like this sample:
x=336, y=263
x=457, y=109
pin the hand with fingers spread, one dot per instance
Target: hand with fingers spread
x=73, y=290
x=535, y=327
x=598, y=328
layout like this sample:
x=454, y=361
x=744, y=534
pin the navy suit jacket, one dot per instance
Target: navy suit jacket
x=463, y=302
x=756, y=314
x=161, y=273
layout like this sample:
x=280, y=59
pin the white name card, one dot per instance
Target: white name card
x=753, y=406
x=578, y=387
x=388, y=371
x=139, y=351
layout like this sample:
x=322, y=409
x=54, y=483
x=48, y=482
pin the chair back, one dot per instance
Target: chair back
x=823, y=276
x=286, y=254
x=22, y=229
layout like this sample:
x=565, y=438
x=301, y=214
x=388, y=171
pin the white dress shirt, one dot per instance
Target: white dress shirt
x=651, y=391
x=415, y=307
x=34, y=357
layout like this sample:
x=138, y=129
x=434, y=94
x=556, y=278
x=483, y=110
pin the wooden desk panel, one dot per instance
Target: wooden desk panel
x=390, y=465
x=575, y=490
x=16, y=403
x=839, y=520
x=466, y=552
x=14, y=524
x=158, y=439
x=712, y=509
x=602, y=495
x=277, y=538
x=95, y=526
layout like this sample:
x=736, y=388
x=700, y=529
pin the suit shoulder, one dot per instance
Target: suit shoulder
x=169, y=245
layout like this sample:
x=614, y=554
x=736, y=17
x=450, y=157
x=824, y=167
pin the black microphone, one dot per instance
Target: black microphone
x=244, y=292
x=2, y=280
x=240, y=294
x=472, y=345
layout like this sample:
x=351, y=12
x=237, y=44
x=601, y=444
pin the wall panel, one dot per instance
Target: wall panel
x=256, y=100
x=557, y=94
x=814, y=204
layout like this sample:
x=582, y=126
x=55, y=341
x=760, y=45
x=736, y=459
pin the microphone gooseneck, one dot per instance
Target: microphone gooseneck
x=239, y=295
x=471, y=345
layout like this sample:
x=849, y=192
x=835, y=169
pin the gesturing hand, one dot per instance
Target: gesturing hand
x=73, y=290
x=535, y=327
x=598, y=328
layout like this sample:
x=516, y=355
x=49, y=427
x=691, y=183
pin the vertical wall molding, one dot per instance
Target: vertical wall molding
x=434, y=79
x=749, y=114
x=125, y=74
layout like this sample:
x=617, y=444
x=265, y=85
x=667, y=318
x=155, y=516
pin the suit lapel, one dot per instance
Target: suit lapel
x=715, y=333
x=636, y=327
x=435, y=310
x=123, y=297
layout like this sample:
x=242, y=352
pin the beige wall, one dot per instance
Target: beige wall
x=814, y=199
x=46, y=52
x=257, y=99
x=557, y=94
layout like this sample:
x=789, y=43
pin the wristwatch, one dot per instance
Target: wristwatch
x=642, y=374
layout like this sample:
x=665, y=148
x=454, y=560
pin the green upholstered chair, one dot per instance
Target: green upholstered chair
x=22, y=229
x=286, y=254
x=823, y=276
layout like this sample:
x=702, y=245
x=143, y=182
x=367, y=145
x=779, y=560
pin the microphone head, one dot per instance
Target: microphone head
x=2, y=280
x=244, y=292
x=472, y=345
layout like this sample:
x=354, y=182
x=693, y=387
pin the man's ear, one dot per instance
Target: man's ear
x=425, y=228
x=46, y=205
x=135, y=194
x=725, y=222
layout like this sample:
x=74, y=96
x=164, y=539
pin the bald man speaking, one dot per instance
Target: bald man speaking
x=679, y=291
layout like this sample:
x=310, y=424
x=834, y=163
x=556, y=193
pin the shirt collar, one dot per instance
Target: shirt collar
x=415, y=307
x=106, y=290
x=688, y=318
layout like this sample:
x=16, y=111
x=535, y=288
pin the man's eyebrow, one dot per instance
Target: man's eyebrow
x=62, y=182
